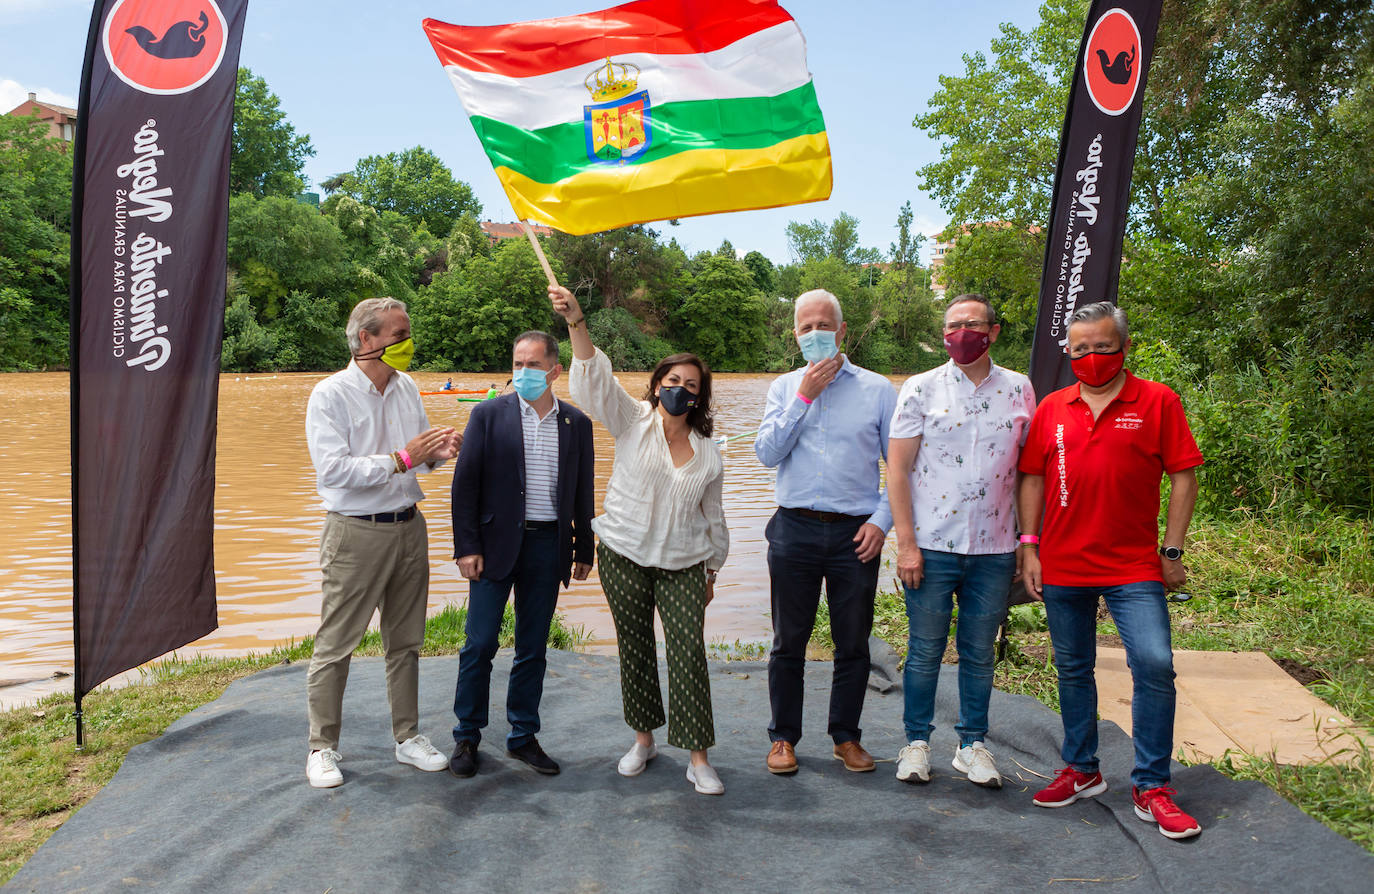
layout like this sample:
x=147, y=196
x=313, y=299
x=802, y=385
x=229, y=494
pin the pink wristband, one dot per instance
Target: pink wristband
x=405, y=458
x=803, y=398
x=1030, y=538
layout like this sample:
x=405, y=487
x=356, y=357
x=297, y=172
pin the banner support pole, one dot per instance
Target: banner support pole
x=74, y=344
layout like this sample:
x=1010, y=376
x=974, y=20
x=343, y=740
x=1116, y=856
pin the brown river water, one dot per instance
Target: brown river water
x=268, y=520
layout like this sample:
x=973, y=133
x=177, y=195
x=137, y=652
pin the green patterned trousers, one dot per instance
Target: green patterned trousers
x=633, y=591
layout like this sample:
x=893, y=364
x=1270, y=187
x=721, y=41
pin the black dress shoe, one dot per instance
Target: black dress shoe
x=464, y=761
x=533, y=755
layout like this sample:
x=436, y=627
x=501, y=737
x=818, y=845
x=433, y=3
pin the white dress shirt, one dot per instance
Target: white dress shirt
x=962, y=488
x=656, y=515
x=352, y=429
x=541, y=461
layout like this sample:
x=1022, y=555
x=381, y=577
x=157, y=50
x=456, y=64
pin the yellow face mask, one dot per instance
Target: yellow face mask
x=398, y=355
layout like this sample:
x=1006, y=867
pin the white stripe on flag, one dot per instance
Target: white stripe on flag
x=765, y=63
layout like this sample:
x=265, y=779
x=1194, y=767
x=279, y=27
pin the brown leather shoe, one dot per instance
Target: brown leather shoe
x=782, y=759
x=854, y=757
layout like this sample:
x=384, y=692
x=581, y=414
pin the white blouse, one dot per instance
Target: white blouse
x=655, y=514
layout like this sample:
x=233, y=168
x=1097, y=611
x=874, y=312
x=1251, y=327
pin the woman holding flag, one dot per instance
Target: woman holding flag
x=663, y=538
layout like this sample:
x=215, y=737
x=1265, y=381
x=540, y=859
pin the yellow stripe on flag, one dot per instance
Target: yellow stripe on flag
x=700, y=181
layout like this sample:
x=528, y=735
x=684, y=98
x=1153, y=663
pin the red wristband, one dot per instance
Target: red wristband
x=1030, y=538
x=803, y=398
x=405, y=458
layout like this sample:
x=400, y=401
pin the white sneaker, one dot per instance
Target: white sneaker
x=913, y=762
x=704, y=777
x=417, y=752
x=975, y=761
x=634, y=761
x=322, y=768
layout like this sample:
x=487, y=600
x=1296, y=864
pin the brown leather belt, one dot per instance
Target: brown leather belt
x=825, y=516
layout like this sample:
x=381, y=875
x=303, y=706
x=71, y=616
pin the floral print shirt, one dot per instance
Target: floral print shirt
x=964, y=480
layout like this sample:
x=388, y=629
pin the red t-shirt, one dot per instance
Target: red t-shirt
x=1101, y=524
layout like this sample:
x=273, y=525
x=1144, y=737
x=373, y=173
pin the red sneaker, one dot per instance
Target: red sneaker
x=1069, y=786
x=1157, y=806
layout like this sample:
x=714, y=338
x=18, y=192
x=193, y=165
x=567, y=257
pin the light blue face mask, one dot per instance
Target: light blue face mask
x=529, y=383
x=818, y=345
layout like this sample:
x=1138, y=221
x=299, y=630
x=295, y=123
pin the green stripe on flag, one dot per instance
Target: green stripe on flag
x=551, y=154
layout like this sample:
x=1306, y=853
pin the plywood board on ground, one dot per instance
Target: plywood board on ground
x=1241, y=701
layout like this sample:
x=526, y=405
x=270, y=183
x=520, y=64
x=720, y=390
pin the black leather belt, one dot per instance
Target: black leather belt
x=540, y=525
x=404, y=515
x=825, y=516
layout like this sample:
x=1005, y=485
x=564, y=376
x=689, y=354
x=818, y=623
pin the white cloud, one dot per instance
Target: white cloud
x=12, y=93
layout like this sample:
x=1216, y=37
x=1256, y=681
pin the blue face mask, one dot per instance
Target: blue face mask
x=818, y=345
x=530, y=383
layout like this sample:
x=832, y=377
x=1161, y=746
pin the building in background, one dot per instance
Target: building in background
x=495, y=232
x=61, y=120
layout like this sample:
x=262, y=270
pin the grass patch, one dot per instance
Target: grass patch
x=43, y=779
x=1299, y=588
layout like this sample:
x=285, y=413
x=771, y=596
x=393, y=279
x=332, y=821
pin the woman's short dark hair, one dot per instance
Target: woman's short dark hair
x=699, y=417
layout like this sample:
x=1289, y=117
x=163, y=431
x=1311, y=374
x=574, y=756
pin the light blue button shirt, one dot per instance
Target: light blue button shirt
x=827, y=452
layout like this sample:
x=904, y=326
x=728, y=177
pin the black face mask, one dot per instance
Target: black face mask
x=676, y=400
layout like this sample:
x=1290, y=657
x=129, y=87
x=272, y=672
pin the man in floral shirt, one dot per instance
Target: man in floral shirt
x=957, y=432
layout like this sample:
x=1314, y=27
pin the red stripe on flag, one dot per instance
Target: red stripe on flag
x=665, y=27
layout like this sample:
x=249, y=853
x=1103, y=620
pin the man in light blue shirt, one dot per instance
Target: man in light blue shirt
x=825, y=428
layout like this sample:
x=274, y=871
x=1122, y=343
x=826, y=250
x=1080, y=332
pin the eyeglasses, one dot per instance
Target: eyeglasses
x=956, y=325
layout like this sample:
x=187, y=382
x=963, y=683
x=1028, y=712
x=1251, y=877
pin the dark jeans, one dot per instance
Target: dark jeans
x=803, y=552
x=1142, y=620
x=535, y=579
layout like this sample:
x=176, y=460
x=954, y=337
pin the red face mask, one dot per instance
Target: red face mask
x=1097, y=370
x=967, y=345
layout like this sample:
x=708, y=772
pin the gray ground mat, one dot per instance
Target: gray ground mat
x=220, y=803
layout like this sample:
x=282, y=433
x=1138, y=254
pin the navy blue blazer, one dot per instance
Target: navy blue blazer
x=489, y=488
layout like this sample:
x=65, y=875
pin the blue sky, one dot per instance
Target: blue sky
x=360, y=79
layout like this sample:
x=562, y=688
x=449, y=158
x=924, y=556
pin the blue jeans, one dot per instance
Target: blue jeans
x=535, y=579
x=982, y=583
x=1142, y=620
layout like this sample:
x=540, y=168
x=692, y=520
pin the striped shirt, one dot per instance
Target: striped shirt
x=541, y=462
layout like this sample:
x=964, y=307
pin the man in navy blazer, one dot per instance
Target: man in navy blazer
x=522, y=518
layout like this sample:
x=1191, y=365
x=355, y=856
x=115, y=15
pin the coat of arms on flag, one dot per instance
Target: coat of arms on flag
x=735, y=122
x=618, y=126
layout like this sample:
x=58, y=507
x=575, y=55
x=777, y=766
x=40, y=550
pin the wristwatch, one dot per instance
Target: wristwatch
x=1172, y=553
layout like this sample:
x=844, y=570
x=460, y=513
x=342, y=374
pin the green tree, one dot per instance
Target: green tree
x=765, y=277
x=35, y=219
x=414, y=184
x=388, y=254
x=999, y=122
x=722, y=318
x=839, y=239
x=468, y=317
x=267, y=156
x=277, y=246
x=246, y=346
x=625, y=267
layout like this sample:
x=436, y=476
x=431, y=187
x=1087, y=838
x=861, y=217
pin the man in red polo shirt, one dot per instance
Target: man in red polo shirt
x=1091, y=467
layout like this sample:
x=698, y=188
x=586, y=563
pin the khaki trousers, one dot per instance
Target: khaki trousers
x=369, y=566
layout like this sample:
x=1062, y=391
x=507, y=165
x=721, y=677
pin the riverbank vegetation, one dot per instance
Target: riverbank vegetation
x=44, y=780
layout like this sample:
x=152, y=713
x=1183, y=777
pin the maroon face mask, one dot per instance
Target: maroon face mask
x=967, y=345
x=1098, y=369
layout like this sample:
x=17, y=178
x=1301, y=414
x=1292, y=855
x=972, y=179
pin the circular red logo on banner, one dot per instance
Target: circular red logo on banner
x=1111, y=62
x=164, y=46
